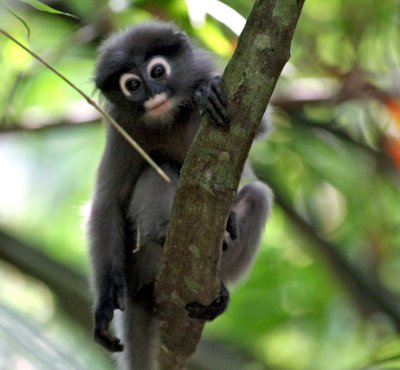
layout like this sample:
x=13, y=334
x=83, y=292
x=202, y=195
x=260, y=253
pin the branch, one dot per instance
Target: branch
x=70, y=287
x=211, y=174
x=364, y=294
x=85, y=117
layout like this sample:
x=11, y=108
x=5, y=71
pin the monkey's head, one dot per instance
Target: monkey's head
x=151, y=71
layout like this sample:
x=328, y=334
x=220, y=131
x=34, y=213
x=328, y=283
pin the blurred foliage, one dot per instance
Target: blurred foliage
x=334, y=154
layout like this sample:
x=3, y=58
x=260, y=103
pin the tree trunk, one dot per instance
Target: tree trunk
x=210, y=177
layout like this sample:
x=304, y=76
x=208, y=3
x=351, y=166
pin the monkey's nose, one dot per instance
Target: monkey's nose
x=156, y=101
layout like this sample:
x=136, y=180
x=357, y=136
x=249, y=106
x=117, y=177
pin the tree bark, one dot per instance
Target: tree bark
x=210, y=177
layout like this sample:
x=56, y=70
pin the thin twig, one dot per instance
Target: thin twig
x=111, y=120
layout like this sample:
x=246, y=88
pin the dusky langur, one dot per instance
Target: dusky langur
x=155, y=84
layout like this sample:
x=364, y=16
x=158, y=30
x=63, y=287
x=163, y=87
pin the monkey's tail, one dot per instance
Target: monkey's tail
x=138, y=328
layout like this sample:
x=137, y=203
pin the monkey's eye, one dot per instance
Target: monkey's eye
x=158, y=67
x=132, y=85
x=157, y=71
x=129, y=83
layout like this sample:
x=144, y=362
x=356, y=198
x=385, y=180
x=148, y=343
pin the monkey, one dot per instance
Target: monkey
x=156, y=84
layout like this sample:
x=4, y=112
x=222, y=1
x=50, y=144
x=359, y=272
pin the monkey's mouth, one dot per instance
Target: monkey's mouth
x=158, y=105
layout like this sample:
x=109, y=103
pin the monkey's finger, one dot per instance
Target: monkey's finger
x=215, y=84
x=217, y=97
x=216, y=118
x=219, y=107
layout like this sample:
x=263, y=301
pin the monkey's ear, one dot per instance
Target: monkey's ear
x=108, y=70
x=181, y=36
x=106, y=78
x=183, y=40
x=101, y=79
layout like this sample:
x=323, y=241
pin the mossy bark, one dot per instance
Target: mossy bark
x=211, y=174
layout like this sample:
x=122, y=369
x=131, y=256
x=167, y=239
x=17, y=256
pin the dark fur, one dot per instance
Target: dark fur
x=131, y=203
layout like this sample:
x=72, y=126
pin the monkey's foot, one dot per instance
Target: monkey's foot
x=210, y=98
x=112, y=299
x=210, y=312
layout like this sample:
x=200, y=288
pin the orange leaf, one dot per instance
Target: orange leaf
x=393, y=105
x=392, y=146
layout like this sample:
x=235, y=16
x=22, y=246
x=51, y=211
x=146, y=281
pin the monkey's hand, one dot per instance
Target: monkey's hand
x=111, y=299
x=210, y=312
x=232, y=231
x=210, y=98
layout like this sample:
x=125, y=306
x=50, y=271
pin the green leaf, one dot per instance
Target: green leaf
x=45, y=8
x=13, y=13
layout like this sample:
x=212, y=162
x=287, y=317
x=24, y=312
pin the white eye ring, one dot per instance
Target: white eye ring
x=159, y=60
x=124, y=79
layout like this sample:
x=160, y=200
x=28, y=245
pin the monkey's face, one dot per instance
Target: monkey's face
x=149, y=73
x=149, y=87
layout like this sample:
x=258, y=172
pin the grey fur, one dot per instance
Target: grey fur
x=131, y=204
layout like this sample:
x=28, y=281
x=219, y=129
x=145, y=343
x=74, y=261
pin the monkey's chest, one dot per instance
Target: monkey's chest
x=174, y=147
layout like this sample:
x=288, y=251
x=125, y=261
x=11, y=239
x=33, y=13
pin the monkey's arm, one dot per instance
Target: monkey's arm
x=251, y=208
x=119, y=167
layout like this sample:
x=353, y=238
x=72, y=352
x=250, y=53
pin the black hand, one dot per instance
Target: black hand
x=210, y=98
x=210, y=312
x=112, y=299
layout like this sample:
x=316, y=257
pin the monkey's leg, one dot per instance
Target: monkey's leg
x=242, y=237
x=251, y=208
x=148, y=213
x=243, y=233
